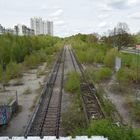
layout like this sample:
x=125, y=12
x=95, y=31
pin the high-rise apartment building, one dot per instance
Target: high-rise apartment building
x=36, y=25
x=50, y=27
x=41, y=27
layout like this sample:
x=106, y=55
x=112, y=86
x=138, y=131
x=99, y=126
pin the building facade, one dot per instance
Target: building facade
x=50, y=28
x=41, y=27
x=9, y=31
x=23, y=30
x=2, y=29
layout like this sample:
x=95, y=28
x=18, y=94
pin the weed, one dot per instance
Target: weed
x=73, y=82
x=27, y=91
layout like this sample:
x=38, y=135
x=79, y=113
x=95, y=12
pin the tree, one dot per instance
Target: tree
x=121, y=36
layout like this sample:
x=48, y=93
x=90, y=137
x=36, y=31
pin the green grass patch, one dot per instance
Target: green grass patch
x=99, y=75
x=107, y=129
x=73, y=82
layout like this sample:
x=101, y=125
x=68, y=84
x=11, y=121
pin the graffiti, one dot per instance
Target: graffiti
x=4, y=115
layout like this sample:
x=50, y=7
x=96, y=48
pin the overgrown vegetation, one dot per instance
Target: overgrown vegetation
x=73, y=118
x=22, y=53
x=109, y=109
x=111, y=131
x=98, y=58
x=73, y=82
x=99, y=75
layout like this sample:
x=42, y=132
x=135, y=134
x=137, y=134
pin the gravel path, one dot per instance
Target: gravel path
x=119, y=100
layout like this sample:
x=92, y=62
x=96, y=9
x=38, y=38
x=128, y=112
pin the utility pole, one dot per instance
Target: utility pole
x=137, y=72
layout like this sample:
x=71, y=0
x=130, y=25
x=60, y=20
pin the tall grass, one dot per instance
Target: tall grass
x=99, y=75
x=73, y=82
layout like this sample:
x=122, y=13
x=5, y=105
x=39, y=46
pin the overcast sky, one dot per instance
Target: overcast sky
x=73, y=16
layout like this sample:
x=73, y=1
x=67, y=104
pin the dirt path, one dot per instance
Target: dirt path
x=119, y=100
x=18, y=123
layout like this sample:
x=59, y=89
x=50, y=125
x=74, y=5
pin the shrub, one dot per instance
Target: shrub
x=111, y=131
x=125, y=75
x=136, y=111
x=32, y=61
x=13, y=70
x=109, y=60
x=99, y=75
x=103, y=74
x=73, y=120
x=73, y=82
x=99, y=57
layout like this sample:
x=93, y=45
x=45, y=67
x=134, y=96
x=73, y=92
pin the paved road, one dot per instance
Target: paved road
x=131, y=51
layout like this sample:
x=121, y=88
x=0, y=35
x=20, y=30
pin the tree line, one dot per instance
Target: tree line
x=17, y=52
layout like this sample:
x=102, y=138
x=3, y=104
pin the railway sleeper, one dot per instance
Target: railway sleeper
x=50, y=125
x=88, y=94
x=50, y=122
x=90, y=104
x=50, y=130
x=53, y=119
x=89, y=101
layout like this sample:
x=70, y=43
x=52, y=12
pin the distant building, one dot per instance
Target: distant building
x=23, y=30
x=41, y=27
x=50, y=28
x=37, y=25
x=9, y=31
x=2, y=29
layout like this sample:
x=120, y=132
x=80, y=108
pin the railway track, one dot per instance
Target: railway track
x=91, y=105
x=47, y=116
x=46, y=119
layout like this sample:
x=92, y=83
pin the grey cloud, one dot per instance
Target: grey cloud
x=118, y=4
x=122, y=4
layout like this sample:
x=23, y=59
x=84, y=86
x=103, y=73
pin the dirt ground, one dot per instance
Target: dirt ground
x=119, y=99
x=19, y=122
x=30, y=81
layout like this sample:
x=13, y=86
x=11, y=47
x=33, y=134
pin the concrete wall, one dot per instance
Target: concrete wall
x=6, y=112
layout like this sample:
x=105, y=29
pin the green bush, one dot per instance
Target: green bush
x=111, y=131
x=125, y=76
x=73, y=82
x=136, y=111
x=99, y=75
x=13, y=70
x=110, y=57
x=32, y=60
x=73, y=120
x=103, y=74
x=99, y=57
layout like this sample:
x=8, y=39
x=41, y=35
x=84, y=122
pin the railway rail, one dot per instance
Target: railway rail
x=91, y=105
x=46, y=119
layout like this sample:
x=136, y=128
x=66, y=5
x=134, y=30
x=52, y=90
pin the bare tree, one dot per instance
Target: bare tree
x=122, y=28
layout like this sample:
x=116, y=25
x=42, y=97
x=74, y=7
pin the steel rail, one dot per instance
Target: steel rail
x=34, y=127
x=92, y=107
